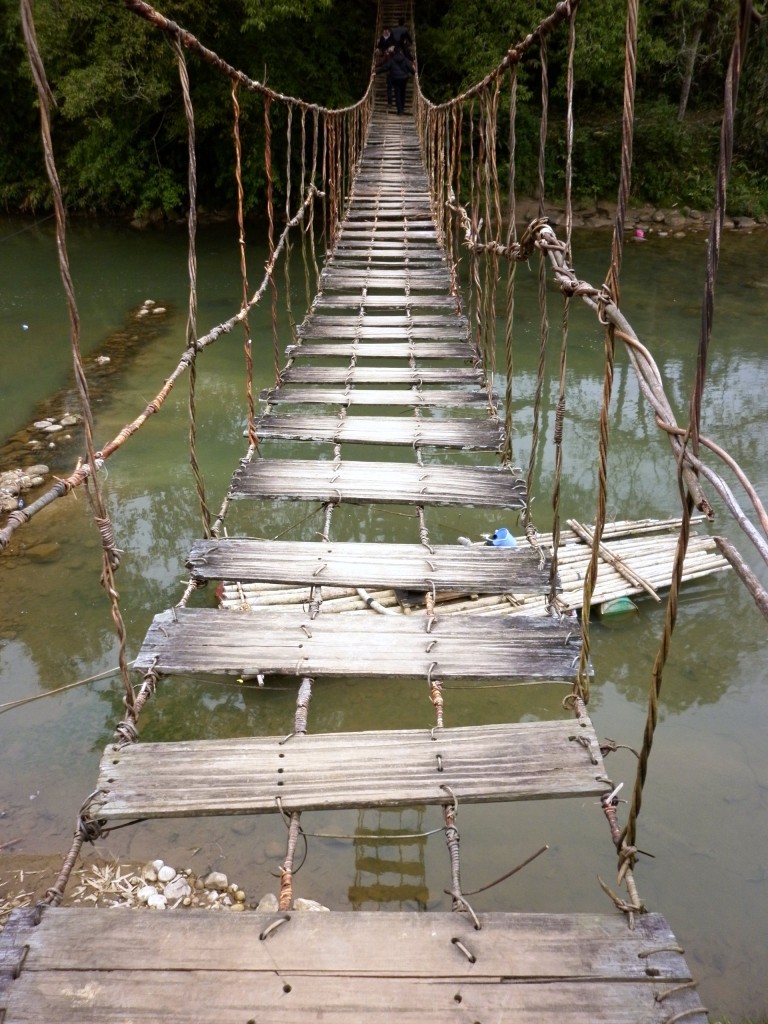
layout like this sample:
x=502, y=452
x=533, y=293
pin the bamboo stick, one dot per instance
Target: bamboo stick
x=618, y=564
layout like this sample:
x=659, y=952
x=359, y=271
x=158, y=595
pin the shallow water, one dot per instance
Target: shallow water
x=704, y=814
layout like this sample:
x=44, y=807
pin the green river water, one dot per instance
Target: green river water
x=705, y=810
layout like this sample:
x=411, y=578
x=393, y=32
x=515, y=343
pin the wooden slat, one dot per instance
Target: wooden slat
x=353, y=300
x=443, y=398
x=447, y=567
x=332, y=771
x=273, y=640
x=458, y=349
x=380, y=483
x=479, y=434
x=388, y=320
x=317, y=328
x=88, y=966
x=380, y=375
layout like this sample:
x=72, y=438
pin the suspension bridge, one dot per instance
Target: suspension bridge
x=391, y=359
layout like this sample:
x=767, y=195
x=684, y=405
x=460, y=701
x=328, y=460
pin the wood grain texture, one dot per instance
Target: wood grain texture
x=447, y=567
x=481, y=434
x=106, y=967
x=273, y=640
x=396, y=768
x=379, y=483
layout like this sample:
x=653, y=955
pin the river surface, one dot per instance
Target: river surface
x=705, y=808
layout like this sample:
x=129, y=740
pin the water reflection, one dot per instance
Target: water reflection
x=704, y=807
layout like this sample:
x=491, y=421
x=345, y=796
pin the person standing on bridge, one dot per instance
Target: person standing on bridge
x=399, y=69
x=401, y=37
x=383, y=48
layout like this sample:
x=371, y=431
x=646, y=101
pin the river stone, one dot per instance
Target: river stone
x=39, y=469
x=166, y=873
x=157, y=864
x=47, y=552
x=42, y=424
x=69, y=420
x=217, y=880
x=52, y=428
x=268, y=903
x=145, y=892
x=157, y=902
x=177, y=888
x=302, y=904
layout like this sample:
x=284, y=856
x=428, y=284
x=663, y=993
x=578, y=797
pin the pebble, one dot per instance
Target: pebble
x=157, y=901
x=178, y=888
x=157, y=864
x=145, y=892
x=268, y=903
x=216, y=880
x=237, y=906
x=302, y=904
x=166, y=873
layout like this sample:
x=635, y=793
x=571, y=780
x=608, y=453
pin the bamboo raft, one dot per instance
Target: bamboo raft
x=644, y=550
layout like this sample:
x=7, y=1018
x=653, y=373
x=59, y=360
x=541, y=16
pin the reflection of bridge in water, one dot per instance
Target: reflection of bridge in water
x=385, y=360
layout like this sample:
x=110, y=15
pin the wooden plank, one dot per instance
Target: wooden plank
x=96, y=967
x=333, y=771
x=383, y=350
x=317, y=328
x=478, y=434
x=380, y=483
x=285, y=641
x=380, y=375
x=443, y=398
x=324, y=300
x=447, y=567
x=388, y=320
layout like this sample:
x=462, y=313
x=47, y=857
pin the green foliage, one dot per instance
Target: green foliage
x=120, y=131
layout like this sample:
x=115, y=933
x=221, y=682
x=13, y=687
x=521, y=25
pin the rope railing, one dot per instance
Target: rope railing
x=466, y=209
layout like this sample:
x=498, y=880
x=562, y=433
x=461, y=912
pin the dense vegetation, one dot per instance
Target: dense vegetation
x=119, y=127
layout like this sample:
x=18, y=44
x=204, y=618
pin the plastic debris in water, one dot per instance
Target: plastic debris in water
x=502, y=538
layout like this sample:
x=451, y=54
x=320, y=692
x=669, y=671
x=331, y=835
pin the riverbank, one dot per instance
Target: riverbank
x=663, y=222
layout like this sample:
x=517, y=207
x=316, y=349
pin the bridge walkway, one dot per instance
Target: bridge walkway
x=385, y=332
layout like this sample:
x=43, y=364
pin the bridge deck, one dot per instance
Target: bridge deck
x=385, y=296
x=90, y=967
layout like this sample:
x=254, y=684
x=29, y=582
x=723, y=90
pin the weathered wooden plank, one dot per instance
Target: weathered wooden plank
x=317, y=328
x=379, y=483
x=331, y=771
x=97, y=967
x=388, y=320
x=445, y=300
x=478, y=434
x=382, y=350
x=285, y=641
x=442, y=398
x=446, y=567
x=381, y=375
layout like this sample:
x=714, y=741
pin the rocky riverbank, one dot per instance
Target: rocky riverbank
x=670, y=222
x=153, y=886
x=53, y=438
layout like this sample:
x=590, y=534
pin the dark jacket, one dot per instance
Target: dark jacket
x=401, y=35
x=398, y=66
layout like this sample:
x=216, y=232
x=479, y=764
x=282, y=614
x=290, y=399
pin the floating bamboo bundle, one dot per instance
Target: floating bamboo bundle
x=636, y=558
